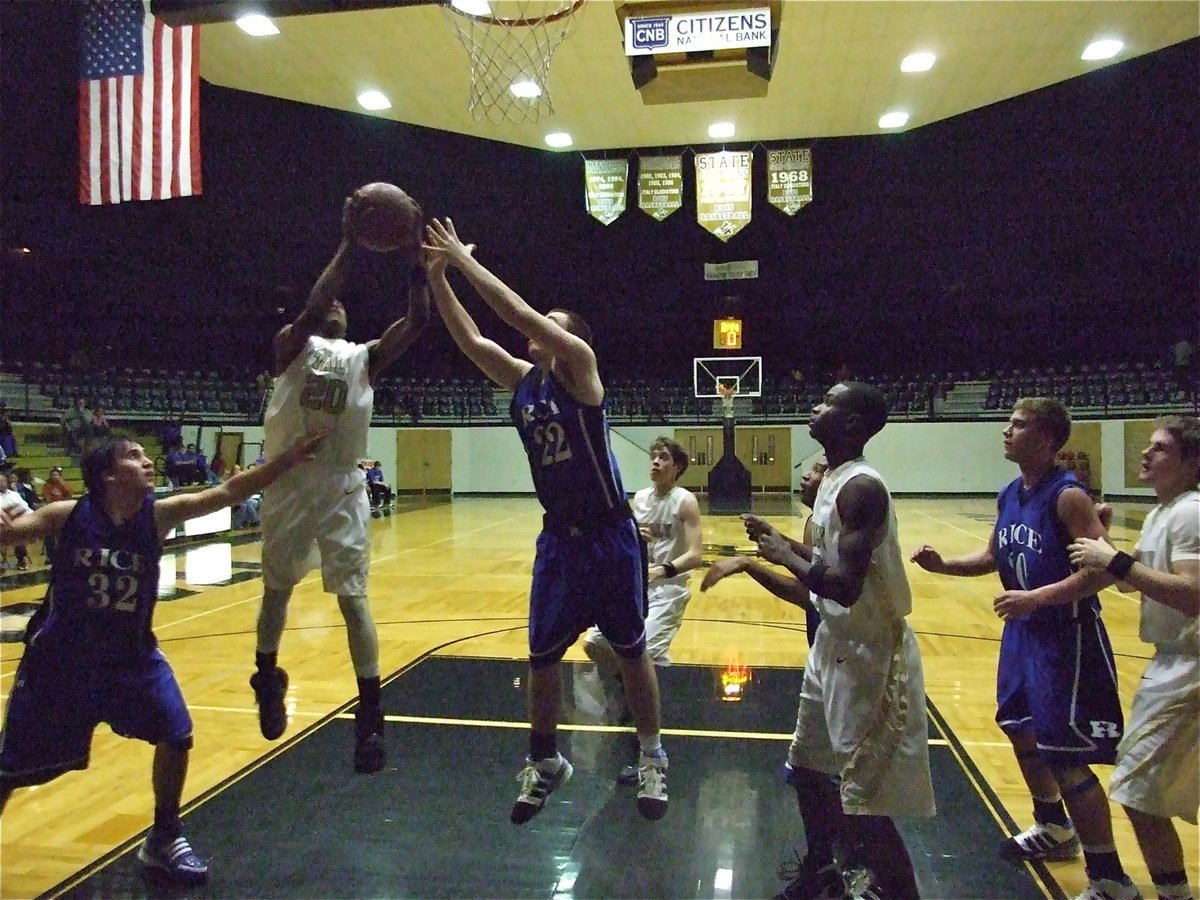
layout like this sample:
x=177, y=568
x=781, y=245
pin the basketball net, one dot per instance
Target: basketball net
x=727, y=392
x=512, y=44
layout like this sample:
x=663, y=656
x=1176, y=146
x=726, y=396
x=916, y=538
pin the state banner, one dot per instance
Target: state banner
x=789, y=179
x=606, y=182
x=660, y=185
x=723, y=192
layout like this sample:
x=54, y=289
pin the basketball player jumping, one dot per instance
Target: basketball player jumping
x=861, y=728
x=1057, y=685
x=321, y=515
x=590, y=565
x=91, y=656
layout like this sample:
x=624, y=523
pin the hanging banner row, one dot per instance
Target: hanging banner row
x=723, y=182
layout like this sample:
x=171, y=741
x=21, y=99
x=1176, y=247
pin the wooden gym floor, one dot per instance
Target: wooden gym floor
x=449, y=584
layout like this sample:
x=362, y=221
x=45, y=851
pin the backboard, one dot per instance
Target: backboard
x=742, y=372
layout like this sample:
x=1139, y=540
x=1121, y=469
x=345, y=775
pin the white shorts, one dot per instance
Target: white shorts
x=1158, y=759
x=314, y=517
x=862, y=717
x=667, y=604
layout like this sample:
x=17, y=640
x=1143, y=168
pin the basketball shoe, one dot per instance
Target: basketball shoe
x=269, y=690
x=173, y=858
x=1108, y=889
x=369, y=751
x=538, y=781
x=652, y=785
x=1042, y=841
x=811, y=881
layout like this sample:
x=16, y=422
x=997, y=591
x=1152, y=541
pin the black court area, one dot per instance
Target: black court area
x=435, y=823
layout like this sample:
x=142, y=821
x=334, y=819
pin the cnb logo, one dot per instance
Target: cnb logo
x=650, y=33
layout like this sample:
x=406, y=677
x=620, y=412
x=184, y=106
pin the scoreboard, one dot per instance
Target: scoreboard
x=727, y=334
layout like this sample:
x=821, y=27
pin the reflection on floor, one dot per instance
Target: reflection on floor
x=435, y=822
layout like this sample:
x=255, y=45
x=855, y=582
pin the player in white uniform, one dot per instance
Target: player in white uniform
x=668, y=518
x=860, y=754
x=321, y=516
x=1157, y=774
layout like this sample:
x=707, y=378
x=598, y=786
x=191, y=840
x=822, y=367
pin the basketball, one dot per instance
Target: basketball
x=386, y=219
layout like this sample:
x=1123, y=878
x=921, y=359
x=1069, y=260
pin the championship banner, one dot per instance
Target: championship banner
x=606, y=183
x=731, y=271
x=723, y=192
x=789, y=179
x=660, y=185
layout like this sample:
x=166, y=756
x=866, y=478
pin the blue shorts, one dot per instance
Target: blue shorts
x=59, y=699
x=1058, y=679
x=584, y=577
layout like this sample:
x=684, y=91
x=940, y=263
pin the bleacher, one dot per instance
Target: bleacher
x=37, y=392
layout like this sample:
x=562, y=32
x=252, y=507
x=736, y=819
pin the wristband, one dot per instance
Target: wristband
x=1120, y=565
x=816, y=578
x=669, y=569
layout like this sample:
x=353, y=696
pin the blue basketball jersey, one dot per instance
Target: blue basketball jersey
x=103, y=585
x=1030, y=542
x=574, y=471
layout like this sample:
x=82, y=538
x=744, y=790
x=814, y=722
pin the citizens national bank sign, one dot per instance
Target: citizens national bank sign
x=686, y=32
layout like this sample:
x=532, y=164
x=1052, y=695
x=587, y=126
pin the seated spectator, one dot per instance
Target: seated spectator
x=381, y=490
x=216, y=469
x=8, y=440
x=22, y=482
x=172, y=432
x=98, y=427
x=246, y=513
x=74, y=424
x=14, y=507
x=55, y=488
x=5, y=462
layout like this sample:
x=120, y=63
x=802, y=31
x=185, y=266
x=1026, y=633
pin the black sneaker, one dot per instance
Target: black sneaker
x=809, y=881
x=369, y=751
x=174, y=859
x=538, y=782
x=269, y=690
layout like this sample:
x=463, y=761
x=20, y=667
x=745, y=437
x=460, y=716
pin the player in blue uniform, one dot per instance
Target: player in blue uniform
x=1056, y=688
x=91, y=654
x=590, y=566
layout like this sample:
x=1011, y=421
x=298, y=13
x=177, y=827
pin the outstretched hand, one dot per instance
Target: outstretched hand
x=444, y=247
x=1087, y=553
x=774, y=548
x=351, y=210
x=723, y=568
x=929, y=559
x=305, y=447
x=756, y=527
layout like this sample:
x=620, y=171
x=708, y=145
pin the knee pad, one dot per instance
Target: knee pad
x=1087, y=783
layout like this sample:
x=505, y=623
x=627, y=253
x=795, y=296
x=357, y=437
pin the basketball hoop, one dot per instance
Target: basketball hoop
x=510, y=44
x=727, y=392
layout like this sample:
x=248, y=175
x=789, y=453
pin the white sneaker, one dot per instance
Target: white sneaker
x=1041, y=841
x=539, y=781
x=1107, y=889
x=652, y=786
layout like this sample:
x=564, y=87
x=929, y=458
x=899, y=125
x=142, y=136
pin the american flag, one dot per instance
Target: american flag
x=139, y=115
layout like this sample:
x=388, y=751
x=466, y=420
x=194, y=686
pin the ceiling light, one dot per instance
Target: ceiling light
x=257, y=25
x=917, y=62
x=558, y=139
x=373, y=100
x=472, y=7
x=896, y=119
x=1105, y=49
x=526, y=89
x=721, y=130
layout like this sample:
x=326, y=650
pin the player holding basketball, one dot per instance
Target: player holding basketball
x=590, y=564
x=1057, y=686
x=91, y=655
x=321, y=515
x=860, y=754
x=1157, y=776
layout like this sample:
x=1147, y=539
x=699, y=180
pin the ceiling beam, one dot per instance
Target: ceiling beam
x=205, y=12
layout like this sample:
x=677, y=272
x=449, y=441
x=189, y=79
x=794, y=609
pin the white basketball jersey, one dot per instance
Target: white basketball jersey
x=661, y=516
x=1171, y=534
x=885, y=596
x=326, y=386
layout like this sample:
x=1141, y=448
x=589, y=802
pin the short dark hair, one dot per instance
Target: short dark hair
x=679, y=456
x=1051, y=416
x=575, y=324
x=869, y=403
x=98, y=462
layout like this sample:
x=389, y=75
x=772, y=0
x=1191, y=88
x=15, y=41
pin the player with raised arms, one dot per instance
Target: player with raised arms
x=590, y=565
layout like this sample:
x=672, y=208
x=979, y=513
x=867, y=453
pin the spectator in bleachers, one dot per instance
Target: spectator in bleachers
x=55, y=488
x=74, y=424
x=22, y=482
x=176, y=466
x=1183, y=353
x=172, y=432
x=8, y=440
x=5, y=462
x=14, y=507
x=98, y=427
x=381, y=490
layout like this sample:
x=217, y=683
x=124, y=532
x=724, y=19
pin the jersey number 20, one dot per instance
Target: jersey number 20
x=324, y=394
